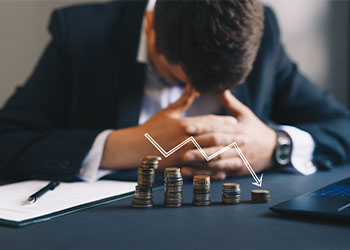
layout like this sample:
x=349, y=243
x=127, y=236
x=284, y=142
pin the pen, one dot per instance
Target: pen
x=34, y=197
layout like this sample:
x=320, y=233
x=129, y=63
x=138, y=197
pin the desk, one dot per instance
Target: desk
x=243, y=226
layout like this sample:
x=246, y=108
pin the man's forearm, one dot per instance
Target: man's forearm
x=124, y=148
x=46, y=155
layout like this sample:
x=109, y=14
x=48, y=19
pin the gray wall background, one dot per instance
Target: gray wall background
x=315, y=33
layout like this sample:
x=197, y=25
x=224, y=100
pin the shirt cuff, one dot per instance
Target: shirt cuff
x=90, y=171
x=303, y=147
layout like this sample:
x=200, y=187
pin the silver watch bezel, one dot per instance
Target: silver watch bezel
x=283, y=151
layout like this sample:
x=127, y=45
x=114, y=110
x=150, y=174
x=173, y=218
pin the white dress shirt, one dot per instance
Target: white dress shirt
x=158, y=94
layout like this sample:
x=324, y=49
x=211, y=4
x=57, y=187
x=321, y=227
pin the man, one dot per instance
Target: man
x=113, y=72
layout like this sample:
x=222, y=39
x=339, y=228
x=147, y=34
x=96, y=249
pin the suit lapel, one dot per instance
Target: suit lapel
x=129, y=89
x=128, y=73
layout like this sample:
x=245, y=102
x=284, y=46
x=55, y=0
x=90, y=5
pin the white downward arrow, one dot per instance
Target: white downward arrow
x=258, y=182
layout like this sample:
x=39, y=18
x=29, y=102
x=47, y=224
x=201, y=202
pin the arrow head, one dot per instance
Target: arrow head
x=258, y=182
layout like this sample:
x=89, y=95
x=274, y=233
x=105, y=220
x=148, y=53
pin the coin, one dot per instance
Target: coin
x=201, y=190
x=173, y=181
x=230, y=201
x=145, y=181
x=201, y=203
x=142, y=203
x=231, y=193
x=261, y=196
x=151, y=161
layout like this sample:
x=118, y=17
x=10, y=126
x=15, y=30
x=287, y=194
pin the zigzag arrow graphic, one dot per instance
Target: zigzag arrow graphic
x=258, y=182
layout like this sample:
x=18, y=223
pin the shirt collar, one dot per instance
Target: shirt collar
x=142, y=54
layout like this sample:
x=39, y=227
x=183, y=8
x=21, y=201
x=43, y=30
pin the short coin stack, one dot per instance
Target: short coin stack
x=201, y=190
x=231, y=193
x=173, y=196
x=261, y=196
x=143, y=193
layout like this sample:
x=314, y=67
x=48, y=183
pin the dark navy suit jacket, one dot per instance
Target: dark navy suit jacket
x=88, y=80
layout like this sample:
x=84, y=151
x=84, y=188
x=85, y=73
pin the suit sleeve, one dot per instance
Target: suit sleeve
x=297, y=102
x=35, y=139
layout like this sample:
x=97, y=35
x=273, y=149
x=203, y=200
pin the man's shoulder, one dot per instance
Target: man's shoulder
x=270, y=42
x=271, y=23
x=77, y=20
x=89, y=13
x=76, y=10
x=94, y=22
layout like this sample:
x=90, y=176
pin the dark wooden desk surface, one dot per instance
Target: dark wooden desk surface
x=244, y=226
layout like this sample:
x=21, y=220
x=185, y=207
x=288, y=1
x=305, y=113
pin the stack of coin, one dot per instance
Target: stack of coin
x=201, y=190
x=261, y=196
x=231, y=193
x=173, y=196
x=143, y=193
x=143, y=197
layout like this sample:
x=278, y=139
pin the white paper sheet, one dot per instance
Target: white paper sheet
x=13, y=197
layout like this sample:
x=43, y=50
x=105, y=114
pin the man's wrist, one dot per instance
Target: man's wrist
x=90, y=166
x=272, y=147
x=283, y=151
x=122, y=149
x=303, y=147
x=107, y=156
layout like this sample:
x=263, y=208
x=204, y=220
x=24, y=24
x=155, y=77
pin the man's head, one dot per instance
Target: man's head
x=210, y=44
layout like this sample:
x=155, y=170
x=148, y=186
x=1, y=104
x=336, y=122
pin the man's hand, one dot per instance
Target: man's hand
x=125, y=148
x=256, y=140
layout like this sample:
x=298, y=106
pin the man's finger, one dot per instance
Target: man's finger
x=220, y=139
x=194, y=156
x=186, y=171
x=210, y=124
x=191, y=171
x=229, y=164
x=219, y=175
x=232, y=104
x=184, y=102
x=237, y=172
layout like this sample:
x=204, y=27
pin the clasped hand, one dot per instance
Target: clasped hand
x=213, y=132
x=125, y=148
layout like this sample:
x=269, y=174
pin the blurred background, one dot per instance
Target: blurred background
x=315, y=34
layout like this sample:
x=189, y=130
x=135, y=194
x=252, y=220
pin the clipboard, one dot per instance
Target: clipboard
x=101, y=196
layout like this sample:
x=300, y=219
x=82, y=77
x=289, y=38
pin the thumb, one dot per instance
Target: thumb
x=232, y=104
x=184, y=102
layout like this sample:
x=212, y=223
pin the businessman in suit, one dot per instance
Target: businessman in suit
x=212, y=69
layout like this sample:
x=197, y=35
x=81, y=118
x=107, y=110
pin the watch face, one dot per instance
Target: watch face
x=283, y=154
x=284, y=150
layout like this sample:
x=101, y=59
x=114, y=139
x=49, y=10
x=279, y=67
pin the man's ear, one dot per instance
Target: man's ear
x=149, y=27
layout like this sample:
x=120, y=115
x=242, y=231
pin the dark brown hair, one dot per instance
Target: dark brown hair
x=214, y=41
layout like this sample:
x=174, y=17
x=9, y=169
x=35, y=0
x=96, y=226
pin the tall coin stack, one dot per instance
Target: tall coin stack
x=173, y=196
x=201, y=190
x=231, y=193
x=143, y=193
x=261, y=196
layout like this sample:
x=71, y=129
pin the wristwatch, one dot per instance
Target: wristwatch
x=283, y=150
